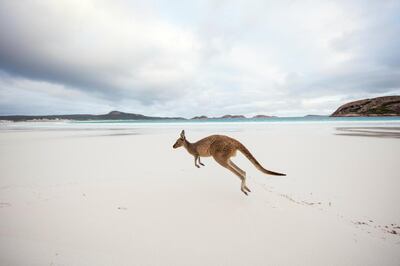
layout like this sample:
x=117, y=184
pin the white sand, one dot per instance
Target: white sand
x=120, y=195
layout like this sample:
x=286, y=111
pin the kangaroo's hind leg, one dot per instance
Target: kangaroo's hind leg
x=243, y=173
x=223, y=160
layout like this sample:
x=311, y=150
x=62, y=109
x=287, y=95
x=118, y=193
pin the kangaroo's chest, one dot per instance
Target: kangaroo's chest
x=204, y=151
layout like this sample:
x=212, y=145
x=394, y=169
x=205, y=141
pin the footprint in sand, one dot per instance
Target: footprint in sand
x=4, y=204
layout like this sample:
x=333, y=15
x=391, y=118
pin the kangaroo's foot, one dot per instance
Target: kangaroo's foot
x=244, y=189
x=197, y=165
x=242, y=175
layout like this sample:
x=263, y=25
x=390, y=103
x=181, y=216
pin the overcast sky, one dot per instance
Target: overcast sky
x=187, y=58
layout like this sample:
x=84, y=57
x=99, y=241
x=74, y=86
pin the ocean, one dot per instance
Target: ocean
x=215, y=125
x=307, y=119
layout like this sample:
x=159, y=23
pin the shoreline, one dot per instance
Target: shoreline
x=308, y=118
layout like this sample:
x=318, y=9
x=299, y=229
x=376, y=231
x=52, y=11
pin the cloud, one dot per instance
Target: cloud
x=100, y=48
x=203, y=57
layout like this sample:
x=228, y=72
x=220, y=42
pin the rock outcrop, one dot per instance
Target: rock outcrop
x=380, y=106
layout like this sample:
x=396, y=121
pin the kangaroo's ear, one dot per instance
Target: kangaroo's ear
x=183, y=134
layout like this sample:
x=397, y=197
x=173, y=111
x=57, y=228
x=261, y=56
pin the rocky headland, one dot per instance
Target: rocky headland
x=380, y=106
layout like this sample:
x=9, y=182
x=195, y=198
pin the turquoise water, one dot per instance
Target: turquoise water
x=253, y=120
x=213, y=123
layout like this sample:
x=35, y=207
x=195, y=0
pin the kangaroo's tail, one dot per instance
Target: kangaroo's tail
x=251, y=158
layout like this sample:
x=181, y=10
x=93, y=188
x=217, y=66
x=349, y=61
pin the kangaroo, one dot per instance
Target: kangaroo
x=221, y=148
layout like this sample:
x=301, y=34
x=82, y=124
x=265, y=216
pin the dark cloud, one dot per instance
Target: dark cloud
x=42, y=41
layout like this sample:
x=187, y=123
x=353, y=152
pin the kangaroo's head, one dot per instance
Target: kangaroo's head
x=179, y=142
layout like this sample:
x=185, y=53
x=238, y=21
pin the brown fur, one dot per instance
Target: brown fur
x=221, y=148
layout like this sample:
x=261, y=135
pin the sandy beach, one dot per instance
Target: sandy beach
x=104, y=194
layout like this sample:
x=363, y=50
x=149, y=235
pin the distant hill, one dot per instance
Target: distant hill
x=233, y=116
x=201, y=117
x=263, y=116
x=113, y=115
x=380, y=106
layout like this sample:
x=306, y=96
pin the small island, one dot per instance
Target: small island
x=263, y=116
x=233, y=117
x=201, y=117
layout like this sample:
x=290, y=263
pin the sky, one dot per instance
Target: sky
x=189, y=58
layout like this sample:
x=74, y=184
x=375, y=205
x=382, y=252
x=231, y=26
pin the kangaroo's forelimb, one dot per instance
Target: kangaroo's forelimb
x=201, y=162
x=196, y=157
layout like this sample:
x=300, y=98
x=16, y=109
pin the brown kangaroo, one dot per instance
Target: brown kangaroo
x=221, y=148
